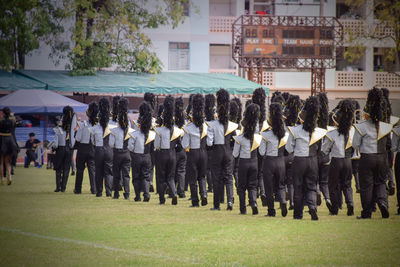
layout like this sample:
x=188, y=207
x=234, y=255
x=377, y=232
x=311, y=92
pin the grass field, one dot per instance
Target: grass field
x=41, y=228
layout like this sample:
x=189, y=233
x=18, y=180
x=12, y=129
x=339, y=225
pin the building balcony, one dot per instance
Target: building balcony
x=221, y=24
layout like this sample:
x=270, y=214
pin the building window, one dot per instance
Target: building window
x=186, y=8
x=179, y=55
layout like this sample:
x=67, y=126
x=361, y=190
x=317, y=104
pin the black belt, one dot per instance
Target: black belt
x=120, y=149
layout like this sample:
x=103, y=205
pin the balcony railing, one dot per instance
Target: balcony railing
x=387, y=80
x=350, y=79
x=221, y=24
x=353, y=26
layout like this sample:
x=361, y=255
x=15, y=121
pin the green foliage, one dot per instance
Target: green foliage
x=23, y=24
x=386, y=26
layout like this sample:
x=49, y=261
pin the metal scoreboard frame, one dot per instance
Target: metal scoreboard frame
x=287, y=42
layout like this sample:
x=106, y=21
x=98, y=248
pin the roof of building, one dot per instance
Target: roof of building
x=105, y=82
x=12, y=81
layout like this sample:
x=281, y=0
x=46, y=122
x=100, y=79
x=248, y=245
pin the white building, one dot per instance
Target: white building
x=203, y=44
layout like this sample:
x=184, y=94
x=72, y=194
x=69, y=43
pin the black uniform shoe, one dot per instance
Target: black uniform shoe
x=391, y=189
x=243, y=212
x=271, y=213
x=255, y=210
x=77, y=192
x=137, y=199
x=297, y=218
x=313, y=213
x=329, y=204
x=283, y=210
x=151, y=188
x=73, y=173
x=204, y=201
x=126, y=196
x=216, y=208
x=264, y=200
x=363, y=217
x=358, y=191
x=182, y=196
x=291, y=207
x=230, y=206
x=57, y=190
x=319, y=199
x=162, y=202
x=99, y=195
x=384, y=211
x=146, y=199
x=194, y=206
x=116, y=195
x=108, y=194
x=63, y=190
x=174, y=200
x=350, y=211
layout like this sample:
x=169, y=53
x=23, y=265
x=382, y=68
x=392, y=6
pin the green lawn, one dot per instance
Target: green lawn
x=40, y=227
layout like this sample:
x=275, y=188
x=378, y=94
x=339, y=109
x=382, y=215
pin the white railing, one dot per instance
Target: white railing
x=230, y=71
x=353, y=26
x=387, y=80
x=221, y=24
x=350, y=79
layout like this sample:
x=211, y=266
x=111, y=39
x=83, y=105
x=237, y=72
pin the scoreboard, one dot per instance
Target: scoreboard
x=288, y=42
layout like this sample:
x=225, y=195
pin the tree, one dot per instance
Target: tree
x=23, y=24
x=386, y=26
x=110, y=32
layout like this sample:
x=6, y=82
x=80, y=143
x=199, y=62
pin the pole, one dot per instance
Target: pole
x=321, y=7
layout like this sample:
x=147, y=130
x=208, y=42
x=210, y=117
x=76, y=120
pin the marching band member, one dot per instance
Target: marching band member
x=272, y=150
x=235, y=115
x=140, y=145
x=259, y=99
x=355, y=161
x=371, y=137
x=338, y=146
x=165, y=142
x=151, y=100
x=103, y=154
x=219, y=134
x=293, y=106
x=64, y=141
x=85, y=151
x=119, y=142
x=304, y=141
x=246, y=147
x=209, y=112
x=195, y=142
x=323, y=160
x=8, y=145
x=180, y=170
x=387, y=119
x=396, y=148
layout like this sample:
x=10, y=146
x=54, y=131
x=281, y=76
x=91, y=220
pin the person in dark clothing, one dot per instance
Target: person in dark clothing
x=246, y=147
x=235, y=115
x=305, y=142
x=209, y=112
x=103, y=154
x=272, y=150
x=180, y=169
x=259, y=98
x=64, y=141
x=165, y=142
x=371, y=137
x=141, y=145
x=30, y=146
x=150, y=99
x=121, y=157
x=85, y=152
x=219, y=135
x=195, y=142
x=8, y=144
x=396, y=148
x=355, y=160
x=337, y=145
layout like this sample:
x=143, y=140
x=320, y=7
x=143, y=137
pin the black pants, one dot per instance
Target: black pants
x=61, y=166
x=373, y=171
x=221, y=167
x=260, y=175
x=166, y=172
x=209, y=172
x=289, y=177
x=85, y=157
x=354, y=167
x=323, y=175
x=305, y=176
x=103, y=174
x=397, y=175
x=180, y=172
x=50, y=160
x=340, y=175
x=197, y=168
x=121, y=166
x=30, y=154
x=236, y=172
x=141, y=173
x=247, y=180
x=274, y=174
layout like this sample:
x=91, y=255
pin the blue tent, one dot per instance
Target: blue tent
x=36, y=101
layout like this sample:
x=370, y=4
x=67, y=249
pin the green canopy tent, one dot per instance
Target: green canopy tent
x=11, y=81
x=105, y=82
